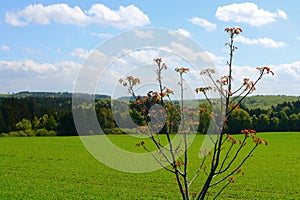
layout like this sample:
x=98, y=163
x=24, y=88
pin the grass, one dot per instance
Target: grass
x=61, y=168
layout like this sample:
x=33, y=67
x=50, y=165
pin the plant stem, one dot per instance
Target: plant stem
x=218, y=145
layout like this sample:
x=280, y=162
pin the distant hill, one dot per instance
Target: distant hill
x=258, y=101
x=24, y=94
x=266, y=101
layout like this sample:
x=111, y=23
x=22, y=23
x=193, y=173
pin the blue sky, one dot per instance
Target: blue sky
x=43, y=44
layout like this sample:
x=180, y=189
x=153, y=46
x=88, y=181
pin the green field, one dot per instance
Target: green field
x=61, y=168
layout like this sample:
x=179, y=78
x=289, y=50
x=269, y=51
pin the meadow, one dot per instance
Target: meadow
x=61, y=168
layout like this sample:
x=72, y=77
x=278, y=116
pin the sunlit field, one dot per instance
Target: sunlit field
x=61, y=168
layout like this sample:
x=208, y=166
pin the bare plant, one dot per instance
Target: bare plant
x=218, y=166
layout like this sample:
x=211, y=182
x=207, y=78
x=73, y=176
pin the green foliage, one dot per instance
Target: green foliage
x=275, y=123
x=204, y=110
x=264, y=122
x=23, y=125
x=114, y=131
x=238, y=120
x=35, y=123
x=284, y=120
x=29, y=132
x=48, y=122
x=15, y=133
x=54, y=113
x=45, y=126
x=45, y=132
x=105, y=118
x=137, y=117
x=294, y=120
x=21, y=133
x=173, y=117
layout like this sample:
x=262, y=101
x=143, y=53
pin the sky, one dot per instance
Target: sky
x=44, y=45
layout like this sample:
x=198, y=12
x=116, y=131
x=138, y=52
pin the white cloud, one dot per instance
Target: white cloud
x=60, y=76
x=249, y=13
x=14, y=20
x=80, y=53
x=129, y=58
x=89, y=55
x=284, y=82
x=102, y=35
x=124, y=17
x=265, y=42
x=40, y=14
x=39, y=68
x=281, y=14
x=182, y=32
x=68, y=68
x=145, y=34
x=204, y=23
x=202, y=57
x=291, y=70
x=5, y=48
x=34, y=76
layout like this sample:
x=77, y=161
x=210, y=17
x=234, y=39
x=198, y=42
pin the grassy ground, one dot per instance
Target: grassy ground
x=61, y=168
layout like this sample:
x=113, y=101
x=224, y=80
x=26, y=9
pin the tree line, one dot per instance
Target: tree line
x=281, y=117
x=52, y=115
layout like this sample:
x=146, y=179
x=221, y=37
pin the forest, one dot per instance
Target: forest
x=50, y=114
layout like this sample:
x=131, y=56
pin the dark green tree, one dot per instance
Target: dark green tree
x=284, y=121
x=294, y=122
x=238, y=120
x=274, y=124
x=264, y=122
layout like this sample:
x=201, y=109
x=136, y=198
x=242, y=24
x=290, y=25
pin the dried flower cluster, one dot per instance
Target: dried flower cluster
x=234, y=30
x=182, y=70
x=203, y=89
x=130, y=80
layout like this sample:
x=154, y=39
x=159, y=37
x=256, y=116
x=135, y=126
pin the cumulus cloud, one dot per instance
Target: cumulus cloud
x=102, y=35
x=285, y=81
x=249, y=13
x=190, y=54
x=291, y=70
x=39, y=68
x=145, y=34
x=181, y=32
x=265, y=42
x=5, y=48
x=60, y=76
x=281, y=14
x=14, y=20
x=89, y=55
x=35, y=76
x=209, y=26
x=124, y=17
x=80, y=53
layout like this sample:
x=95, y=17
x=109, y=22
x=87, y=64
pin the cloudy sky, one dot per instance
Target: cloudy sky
x=43, y=44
